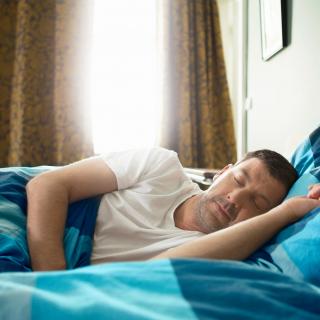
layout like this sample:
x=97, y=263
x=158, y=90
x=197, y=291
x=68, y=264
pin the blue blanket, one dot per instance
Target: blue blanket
x=159, y=289
x=80, y=223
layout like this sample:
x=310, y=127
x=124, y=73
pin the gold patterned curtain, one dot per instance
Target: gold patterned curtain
x=43, y=62
x=197, y=117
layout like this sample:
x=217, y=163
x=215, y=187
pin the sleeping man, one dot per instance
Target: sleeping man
x=151, y=209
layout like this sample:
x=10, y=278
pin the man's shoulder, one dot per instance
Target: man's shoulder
x=160, y=154
x=162, y=151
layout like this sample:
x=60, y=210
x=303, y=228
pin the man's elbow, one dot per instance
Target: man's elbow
x=32, y=185
x=35, y=185
x=43, y=186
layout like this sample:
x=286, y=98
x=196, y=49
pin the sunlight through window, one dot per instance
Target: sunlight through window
x=124, y=82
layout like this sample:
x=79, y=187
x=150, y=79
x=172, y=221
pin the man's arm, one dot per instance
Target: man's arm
x=239, y=241
x=49, y=195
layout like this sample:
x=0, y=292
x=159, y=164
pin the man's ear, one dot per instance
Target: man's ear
x=225, y=168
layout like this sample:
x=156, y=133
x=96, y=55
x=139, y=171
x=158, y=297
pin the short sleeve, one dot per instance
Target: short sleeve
x=132, y=166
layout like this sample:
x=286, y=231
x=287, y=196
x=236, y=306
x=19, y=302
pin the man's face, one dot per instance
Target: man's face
x=238, y=193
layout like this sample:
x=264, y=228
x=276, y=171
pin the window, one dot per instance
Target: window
x=124, y=75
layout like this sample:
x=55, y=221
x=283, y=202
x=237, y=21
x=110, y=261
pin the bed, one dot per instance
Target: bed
x=280, y=280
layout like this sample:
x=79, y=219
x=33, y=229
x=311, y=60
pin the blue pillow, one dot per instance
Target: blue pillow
x=295, y=250
x=307, y=155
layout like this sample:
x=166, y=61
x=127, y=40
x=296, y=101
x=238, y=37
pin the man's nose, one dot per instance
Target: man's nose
x=237, y=197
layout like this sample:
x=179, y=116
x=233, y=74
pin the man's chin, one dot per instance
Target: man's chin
x=209, y=223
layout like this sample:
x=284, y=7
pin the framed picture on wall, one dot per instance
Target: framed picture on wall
x=272, y=17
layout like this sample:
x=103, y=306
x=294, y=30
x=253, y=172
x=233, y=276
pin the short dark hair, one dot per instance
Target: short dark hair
x=277, y=165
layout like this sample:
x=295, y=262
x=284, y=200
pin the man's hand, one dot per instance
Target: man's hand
x=298, y=207
x=314, y=191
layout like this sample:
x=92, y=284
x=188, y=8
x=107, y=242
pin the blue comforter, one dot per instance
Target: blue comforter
x=159, y=289
x=80, y=223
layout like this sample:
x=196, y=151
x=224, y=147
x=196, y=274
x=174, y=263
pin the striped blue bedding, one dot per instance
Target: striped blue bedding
x=80, y=224
x=158, y=289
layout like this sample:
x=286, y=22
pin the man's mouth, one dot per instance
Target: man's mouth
x=217, y=213
x=225, y=209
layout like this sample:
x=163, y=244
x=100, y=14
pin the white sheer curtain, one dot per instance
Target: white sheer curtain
x=124, y=78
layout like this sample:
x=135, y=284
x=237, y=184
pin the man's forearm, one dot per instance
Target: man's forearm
x=236, y=242
x=47, y=209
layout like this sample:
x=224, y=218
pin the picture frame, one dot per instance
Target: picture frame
x=273, y=31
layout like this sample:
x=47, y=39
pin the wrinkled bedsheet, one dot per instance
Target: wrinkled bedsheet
x=158, y=289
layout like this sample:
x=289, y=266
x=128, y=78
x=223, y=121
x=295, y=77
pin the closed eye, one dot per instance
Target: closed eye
x=256, y=205
x=238, y=182
x=259, y=204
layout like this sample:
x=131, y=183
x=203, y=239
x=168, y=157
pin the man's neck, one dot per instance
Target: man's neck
x=185, y=214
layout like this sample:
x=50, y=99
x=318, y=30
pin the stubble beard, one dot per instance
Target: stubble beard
x=201, y=212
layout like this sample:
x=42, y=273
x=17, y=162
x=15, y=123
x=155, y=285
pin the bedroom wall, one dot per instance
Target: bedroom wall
x=285, y=90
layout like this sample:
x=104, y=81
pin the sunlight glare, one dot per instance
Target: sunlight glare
x=124, y=98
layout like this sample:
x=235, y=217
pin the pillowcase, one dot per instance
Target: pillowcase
x=295, y=250
x=307, y=155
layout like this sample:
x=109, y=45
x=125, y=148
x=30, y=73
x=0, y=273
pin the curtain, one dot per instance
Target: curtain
x=197, y=116
x=43, y=63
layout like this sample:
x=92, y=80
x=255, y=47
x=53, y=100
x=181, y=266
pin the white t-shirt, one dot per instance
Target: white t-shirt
x=137, y=221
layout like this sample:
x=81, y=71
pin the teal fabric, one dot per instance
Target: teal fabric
x=302, y=159
x=295, y=250
x=14, y=253
x=160, y=289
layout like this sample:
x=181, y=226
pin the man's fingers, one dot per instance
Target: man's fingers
x=314, y=191
x=314, y=194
